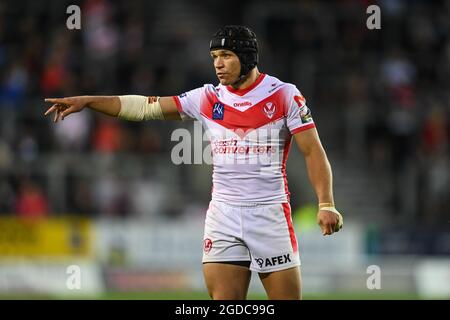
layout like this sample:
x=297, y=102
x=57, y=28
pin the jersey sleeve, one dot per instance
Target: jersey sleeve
x=298, y=114
x=188, y=104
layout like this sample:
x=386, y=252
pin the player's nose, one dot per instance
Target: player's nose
x=218, y=63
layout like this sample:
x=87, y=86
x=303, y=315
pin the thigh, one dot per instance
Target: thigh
x=222, y=235
x=271, y=239
x=282, y=285
x=226, y=281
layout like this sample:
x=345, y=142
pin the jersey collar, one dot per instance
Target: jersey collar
x=241, y=92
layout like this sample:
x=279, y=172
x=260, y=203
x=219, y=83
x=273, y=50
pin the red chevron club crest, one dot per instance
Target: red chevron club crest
x=269, y=109
x=207, y=245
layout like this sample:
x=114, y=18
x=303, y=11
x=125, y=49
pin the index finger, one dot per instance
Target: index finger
x=55, y=100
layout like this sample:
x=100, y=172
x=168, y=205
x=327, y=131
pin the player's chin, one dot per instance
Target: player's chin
x=224, y=82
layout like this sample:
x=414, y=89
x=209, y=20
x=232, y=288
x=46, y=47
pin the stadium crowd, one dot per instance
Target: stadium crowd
x=381, y=97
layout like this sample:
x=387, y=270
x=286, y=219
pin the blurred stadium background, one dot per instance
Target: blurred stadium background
x=104, y=195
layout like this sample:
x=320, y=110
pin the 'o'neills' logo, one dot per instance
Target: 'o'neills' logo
x=242, y=104
x=269, y=109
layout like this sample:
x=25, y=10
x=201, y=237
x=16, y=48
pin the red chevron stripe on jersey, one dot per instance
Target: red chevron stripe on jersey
x=268, y=110
x=251, y=133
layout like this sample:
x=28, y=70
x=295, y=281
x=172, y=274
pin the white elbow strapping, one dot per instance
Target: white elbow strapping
x=139, y=108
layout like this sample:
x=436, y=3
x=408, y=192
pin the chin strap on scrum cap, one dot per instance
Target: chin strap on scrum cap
x=242, y=41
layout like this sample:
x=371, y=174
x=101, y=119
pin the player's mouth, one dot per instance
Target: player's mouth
x=221, y=75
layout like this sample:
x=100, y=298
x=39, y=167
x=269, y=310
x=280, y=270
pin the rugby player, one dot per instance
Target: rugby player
x=248, y=225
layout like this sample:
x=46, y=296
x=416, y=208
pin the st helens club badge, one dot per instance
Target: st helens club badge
x=269, y=109
x=207, y=245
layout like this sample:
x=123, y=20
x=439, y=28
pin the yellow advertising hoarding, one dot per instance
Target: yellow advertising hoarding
x=57, y=237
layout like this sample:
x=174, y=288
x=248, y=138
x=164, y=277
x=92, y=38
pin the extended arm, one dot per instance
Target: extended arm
x=113, y=105
x=320, y=175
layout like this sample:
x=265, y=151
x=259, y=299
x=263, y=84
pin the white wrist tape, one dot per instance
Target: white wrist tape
x=340, y=218
x=140, y=108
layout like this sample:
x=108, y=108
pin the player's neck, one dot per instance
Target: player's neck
x=248, y=80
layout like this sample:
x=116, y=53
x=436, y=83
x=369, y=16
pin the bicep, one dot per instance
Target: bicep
x=169, y=108
x=308, y=141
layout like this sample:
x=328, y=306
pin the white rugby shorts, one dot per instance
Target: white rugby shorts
x=260, y=233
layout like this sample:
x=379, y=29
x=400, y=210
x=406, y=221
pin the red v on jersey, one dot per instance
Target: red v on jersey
x=268, y=110
x=242, y=161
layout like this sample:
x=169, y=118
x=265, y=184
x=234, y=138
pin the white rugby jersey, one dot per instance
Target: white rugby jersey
x=250, y=131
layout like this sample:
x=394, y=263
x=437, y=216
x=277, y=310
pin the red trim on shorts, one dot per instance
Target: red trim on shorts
x=287, y=215
x=287, y=147
x=178, y=103
x=241, y=92
x=303, y=128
